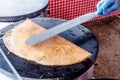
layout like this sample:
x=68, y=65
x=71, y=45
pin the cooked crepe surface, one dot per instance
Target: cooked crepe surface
x=53, y=51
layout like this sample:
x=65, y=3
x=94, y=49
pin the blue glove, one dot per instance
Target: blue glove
x=107, y=6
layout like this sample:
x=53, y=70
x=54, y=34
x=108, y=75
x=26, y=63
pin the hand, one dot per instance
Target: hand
x=107, y=6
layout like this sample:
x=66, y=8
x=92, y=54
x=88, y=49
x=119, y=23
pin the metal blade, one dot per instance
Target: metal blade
x=60, y=28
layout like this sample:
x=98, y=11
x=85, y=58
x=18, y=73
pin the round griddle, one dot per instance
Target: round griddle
x=78, y=35
x=16, y=10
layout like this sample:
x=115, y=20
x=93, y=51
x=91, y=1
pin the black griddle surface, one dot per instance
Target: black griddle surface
x=78, y=35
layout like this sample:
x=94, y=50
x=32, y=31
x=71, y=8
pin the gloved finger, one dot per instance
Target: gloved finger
x=99, y=11
x=99, y=4
x=111, y=9
x=106, y=5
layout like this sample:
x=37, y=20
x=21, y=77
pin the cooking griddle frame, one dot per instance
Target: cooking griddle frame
x=78, y=35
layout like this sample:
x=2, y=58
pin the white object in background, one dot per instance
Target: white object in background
x=4, y=77
x=4, y=24
x=20, y=7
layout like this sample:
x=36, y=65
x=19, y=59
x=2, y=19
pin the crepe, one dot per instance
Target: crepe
x=53, y=51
